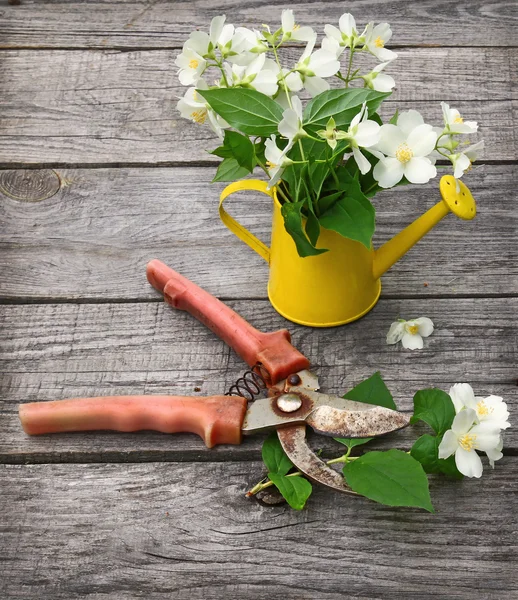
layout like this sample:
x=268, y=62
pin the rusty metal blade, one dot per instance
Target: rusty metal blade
x=375, y=421
x=293, y=441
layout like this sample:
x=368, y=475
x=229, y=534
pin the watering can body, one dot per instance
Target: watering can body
x=343, y=284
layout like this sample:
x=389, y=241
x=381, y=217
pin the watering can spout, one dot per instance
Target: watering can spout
x=458, y=200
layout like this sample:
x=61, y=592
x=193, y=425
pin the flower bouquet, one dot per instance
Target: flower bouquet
x=326, y=160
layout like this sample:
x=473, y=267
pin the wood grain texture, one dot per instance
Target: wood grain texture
x=51, y=352
x=92, y=240
x=84, y=107
x=186, y=531
x=159, y=24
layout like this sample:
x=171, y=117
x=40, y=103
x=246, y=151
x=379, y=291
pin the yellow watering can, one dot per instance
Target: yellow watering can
x=342, y=285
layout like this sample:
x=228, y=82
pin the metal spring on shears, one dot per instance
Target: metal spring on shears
x=251, y=384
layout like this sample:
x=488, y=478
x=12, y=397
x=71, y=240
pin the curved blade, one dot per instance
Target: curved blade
x=293, y=441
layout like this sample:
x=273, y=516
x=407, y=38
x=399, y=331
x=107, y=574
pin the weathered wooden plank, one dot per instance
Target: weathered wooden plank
x=58, y=351
x=186, y=531
x=154, y=24
x=120, y=107
x=94, y=237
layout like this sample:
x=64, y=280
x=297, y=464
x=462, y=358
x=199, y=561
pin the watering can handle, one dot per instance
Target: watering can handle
x=236, y=228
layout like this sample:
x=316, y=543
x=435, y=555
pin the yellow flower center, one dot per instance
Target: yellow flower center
x=270, y=165
x=296, y=26
x=483, y=409
x=404, y=153
x=458, y=119
x=199, y=116
x=379, y=43
x=195, y=96
x=413, y=329
x=467, y=441
x=193, y=63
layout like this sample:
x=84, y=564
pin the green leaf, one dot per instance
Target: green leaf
x=247, y=110
x=434, y=407
x=351, y=214
x=312, y=224
x=395, y=116
x=291, y=211
x=351, y=443
x=240, y=148
x=229, y=170
x=342, y=105
x=393, y=478
x=222, y=152
x=295, y=490
x=274, y=456
x=426, y=451
x=372, y=391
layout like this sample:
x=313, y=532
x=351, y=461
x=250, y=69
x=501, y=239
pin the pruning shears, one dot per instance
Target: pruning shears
x=292, y=401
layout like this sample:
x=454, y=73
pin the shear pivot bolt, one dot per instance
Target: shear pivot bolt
x=294, y=379
x=289, y=402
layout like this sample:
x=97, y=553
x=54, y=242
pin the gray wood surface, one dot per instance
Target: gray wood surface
x=162, y=24
x=98, y=174
x=88, y=107
x=94, y=237
x=186, y=531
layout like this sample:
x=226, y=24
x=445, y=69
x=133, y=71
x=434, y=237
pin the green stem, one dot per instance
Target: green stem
x=347, y=80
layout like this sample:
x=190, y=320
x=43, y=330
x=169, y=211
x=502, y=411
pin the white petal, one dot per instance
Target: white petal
x=387, y=172
x=216, y=27
x=485, y=441
x=422, y=140
x=395, y=333
x=226, y=35
x=287, y=20
x=256, y=65
x=347, y=24
x=425, y=326
x=493, y=455
x=293, y=82
x=409, y=120
x=468, y=462
x=363, y=164
x=303, y=34
x=448, y=444
x=333, y=33
x=462, y=396
x=266, y=83
x=461, y=164
x=329, y=44
x=316, y=85
x=323, y=64
x=199, y=42
x=297, y=106
x=391, y=136
x=289, y=125
x=463, y=421
x=383, y=31
x=383, y=83
x=309, y=48
x=367, y=134
x=412, y=341
x=384, y=54
x=419, y=170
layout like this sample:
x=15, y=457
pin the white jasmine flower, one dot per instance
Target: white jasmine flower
x=276, y=160
x=246, y=45
x=464, y=438
x=454, y=123
x=362, y=133
x=331, y=45
x=292, y=31
x=193, y=107
x=313, y=66
x=252, y=75
x=462, y=161
x=375, y=40
x=492, y=409
x=406, y=146
x=199, y=42
x=376, y=80
x=192, y=66
x=291, y=124
x=347, y=35
x=219, y=33
x=410, y=333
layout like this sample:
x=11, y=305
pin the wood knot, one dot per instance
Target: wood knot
x=29, y=185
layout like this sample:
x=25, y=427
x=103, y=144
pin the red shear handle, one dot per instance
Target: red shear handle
x=216, y=419
x=273, y=350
